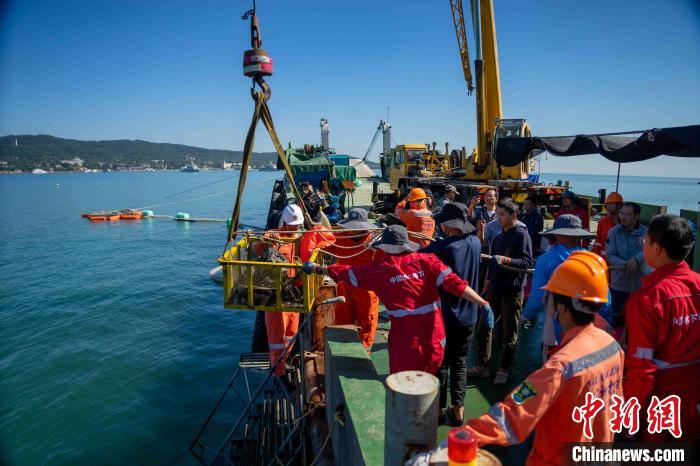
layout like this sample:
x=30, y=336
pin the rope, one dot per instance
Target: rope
x=338, y=418
x=267, y=121
x=261, y=112
x=247, y=151
x=508, y=267
x=170, y=196
x=368, y=246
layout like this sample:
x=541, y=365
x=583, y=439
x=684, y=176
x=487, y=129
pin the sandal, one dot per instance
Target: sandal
x=501, y=377
x=478, y=372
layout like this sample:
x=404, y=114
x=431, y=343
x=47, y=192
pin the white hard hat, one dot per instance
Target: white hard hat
x=292, y=215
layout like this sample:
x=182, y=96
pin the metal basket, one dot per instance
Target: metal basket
x=251, y=284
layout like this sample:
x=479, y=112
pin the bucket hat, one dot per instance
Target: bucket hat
x=568, y=225
x=454, y=215
x=394, y=240
x=358, y=219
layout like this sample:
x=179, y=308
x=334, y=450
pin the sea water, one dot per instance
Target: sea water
x=114, y=341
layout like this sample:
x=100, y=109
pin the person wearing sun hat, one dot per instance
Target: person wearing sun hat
x=407, y=282
x=361, y=307
x=568, y=233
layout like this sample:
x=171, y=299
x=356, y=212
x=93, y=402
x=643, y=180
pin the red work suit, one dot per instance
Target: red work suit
x=601, y=235
x=588, y=360
x=361, y=306
x=408, y=284
x=663, y=354
x=418, y=220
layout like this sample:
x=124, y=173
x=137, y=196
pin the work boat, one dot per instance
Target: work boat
x=190, y=166
x=331, y=402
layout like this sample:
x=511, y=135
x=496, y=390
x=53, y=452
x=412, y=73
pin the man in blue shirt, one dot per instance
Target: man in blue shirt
x=624, y=254
x=568, y=233
x=461, y=251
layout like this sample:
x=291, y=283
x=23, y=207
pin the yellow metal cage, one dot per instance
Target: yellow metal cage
x=250, y=283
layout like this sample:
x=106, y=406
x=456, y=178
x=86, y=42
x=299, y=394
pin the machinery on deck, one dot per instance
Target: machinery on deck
x=410, y=165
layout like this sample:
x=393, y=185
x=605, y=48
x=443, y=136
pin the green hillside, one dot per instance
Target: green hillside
x=43, y=151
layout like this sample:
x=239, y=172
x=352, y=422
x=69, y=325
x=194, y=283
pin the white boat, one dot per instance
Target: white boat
x=190, y=167
x=39, y=171
x=270, y=167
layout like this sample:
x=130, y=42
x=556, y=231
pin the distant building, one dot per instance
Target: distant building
x=226, y=165
x=76, y=162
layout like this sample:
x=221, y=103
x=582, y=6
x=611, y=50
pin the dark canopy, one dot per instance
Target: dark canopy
x=681, y=141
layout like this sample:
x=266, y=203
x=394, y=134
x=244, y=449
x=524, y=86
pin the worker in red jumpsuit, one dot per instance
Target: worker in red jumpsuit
x=418, y=218
x=613, y=204
x=569, y=206
x=407, y=283
x=361, y=306
x=663, y=325
x=588, y=362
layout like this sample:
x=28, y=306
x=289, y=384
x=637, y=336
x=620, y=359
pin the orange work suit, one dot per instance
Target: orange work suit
x=361, y=306
x=281, y=326
x=418, y=220
x=314, y=239
x=601, y=235
x=588, y=360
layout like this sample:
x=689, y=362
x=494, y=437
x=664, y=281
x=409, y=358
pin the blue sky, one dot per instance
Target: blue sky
x=171, y=71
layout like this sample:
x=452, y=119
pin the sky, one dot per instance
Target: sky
x=172, y=71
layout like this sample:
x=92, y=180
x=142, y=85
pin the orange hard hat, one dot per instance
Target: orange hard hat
x=416, y=194
x=614, y=197
x=583, y=275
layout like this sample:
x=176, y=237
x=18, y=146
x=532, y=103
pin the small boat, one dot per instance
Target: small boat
x=130, y=214
x=104, y=217
x=94, y=214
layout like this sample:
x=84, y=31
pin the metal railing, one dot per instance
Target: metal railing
x=294, y=444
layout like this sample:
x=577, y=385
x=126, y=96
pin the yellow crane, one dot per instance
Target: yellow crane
x=490, y=124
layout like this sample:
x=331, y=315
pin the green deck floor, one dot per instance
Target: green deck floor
x=481, y=393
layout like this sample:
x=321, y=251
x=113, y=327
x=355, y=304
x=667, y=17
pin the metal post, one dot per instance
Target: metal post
x=617, y=181
x=412, y=399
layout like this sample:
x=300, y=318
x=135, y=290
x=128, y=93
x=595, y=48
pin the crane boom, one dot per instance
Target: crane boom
x=458, y=18
x=490, y=124
x=374, y=140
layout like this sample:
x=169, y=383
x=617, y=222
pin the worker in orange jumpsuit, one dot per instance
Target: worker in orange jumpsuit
x=282, y=326
x=588, y=360
x=418, y=218
x=613, y=204
x=317, y=237
x=361, y=306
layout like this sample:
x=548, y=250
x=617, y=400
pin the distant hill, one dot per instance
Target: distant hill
x=39, y=151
